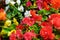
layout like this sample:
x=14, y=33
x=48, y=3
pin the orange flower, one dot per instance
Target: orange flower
x=2, y=14
x=55, y=4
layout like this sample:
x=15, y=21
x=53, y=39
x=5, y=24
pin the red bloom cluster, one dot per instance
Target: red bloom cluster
x=28, y=21
x=44, y=3
x=13, y=36
x=46, y=25
x=29, y=35
x=55, y=20
x=35, y=16
x=17, y=35
x=46, y=31
x=20, y=26
x=46, y=34
x=41, y=24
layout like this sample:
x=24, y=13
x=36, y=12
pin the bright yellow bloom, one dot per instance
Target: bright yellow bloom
x=9, y=33
x=7, y=23
x=3, y=32
x=15, y=21
x=34, y=3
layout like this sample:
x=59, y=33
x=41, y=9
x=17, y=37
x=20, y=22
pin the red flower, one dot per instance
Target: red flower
x=46, y=34
x=28, y=21
x=35, y=16
x=19, y=34
x=53, y=16
x=46, y=25
x=43, y=3
x=29, y=35
x=55, y=20
x=28, y=4
x=13, y=36
x=16, y=35
x=20, y=26
x=47, y=1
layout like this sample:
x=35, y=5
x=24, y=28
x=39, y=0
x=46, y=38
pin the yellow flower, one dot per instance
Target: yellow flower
x=3, y=32
x=9, y=33
x=7, y=23
x=34, y=3
x=15, y=21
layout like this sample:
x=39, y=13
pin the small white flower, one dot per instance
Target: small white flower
x=27, y=14
x=6, y=8
x=12, y=2
x=18, y=2
x=7, y=1
x=21, y=8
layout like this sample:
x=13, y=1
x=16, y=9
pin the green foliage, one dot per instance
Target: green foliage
x=5, y=37
x=1, y=23
x=57, y=37
x=43, y=12
x=47, y=12
x=37, y=39
x=52, y=10
x=14, y=12
x=44, y=18
x=24, y=2
x=57, y=33
x=36, y=28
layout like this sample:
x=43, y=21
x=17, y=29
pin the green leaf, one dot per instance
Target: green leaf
x=39, y=38
x=43, y=12
x=10, y=27
x=6, y=30
x=14, y=12
x=57, y=37
x=35, y=27
x=9, y=15
x=44, y=18
x=52, y=10
x=36, y=39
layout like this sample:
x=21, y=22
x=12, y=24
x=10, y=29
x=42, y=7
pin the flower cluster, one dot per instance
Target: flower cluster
x=16, y=35
x=46, y=31
x=30, y=20
x=55, y=20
